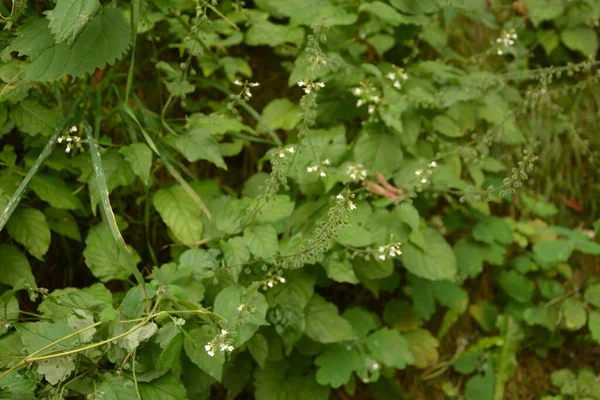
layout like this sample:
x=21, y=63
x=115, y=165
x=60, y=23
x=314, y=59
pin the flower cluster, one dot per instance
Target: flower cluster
x=423, y=174
x=356, y=172
x=343, y=199
x=246, y=88
x=282, y=152
x=71, y=140
x=310, y=86
x=319, y=168
x=367, y=94
x=220, y=342
x=274, y=280
x=396, y=76
x=390, y=250
x=507, y=40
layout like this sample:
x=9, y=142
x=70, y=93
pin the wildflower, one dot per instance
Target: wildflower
x=321, y=84
x=224, y=332
x=360, y=102
x=339, y=197
x=73, y=129
x=179, y=321
x=391, y=76
x=357, y=172
x=312, y=168
x=375, y=99
x=211, y=353
x=282, y=279
x=301, y=83
x=281, y=154
x=68, y=149
x=255, y=84
x=270, y=284
x=207, y=347
x=291, y=150
x=404, y=76
x=371, y=109
x=307, y=90
x=327, y=161
x=423, y=180
x=433, y=164
x=322, y=174
x=390, y=250
x=351, y=205
x=357, y=91
x=60, y=139
x=248, y=92
x=418, y=172
x=237, y=82
x=500, y=52
x=240, y=308
x=398, y=85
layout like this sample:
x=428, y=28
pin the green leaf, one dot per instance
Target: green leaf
x=28, y=226
x=278, y=208
x=436, y=263
x=383, y=11
x=265, y=33
x=229, y=300
x=194, y=348
x=69, y=17
x=594, y=325
x=116, y=173
x=481, y=386
x=400, y=314
x=280, y=382
x=54, y=191
x=118, y=388
x=447, y=127
x=16, y=270
x=362, y=321
x=574, y=314
x=139, y=156
x=280, y=114
x=423, y=346
x=167, y=387
x=544, y=10
x=261, y=240
x=236, y=255
x=379, y=152
x=105, y=257
x=103, y=41
x=516, y=286
x=259, y=349
x=469, y=258
x=324, y=324
x=583, y=40
x=33, y=118
x=36, y=335
x=390, y=348
x=198, y=144
x=409, y=215
x=335, y=365
x=56, y=370
x=485, y=314
x=493, y=229
x=63, y=223
x=340, y=271
x=180, y=213
x=506, y=361
x=591, y=295
x=553, y=251
x=10, y=349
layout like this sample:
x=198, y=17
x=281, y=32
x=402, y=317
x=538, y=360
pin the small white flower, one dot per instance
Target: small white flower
x=230, y=348
x=357, y=91
x=418, y=172
x=282, y=279
x=240, y=308
x=360, y=102
x=224, y=332
x=281, y=154
x=224, y=347
x=73, y=129
x=327, y=161
x=207, y=347
x=68, y=149
x=423, y=180
x=322, y=174
x=375, y=366
x=248, y=93
x=301, y=83
x=179, y=321
x=255, y=84
x=60, y=139
x=371, y=109
x=211, y=353
x=339, y=197
x=352, y=206
x=398, y=85
x=404, y=76
x=237, y=82
x=391, y=76
x=500, y=52
x=382, y=257
x=291, y=150
x=321, y=84
x=270, y=284
x=375, y=99
x=499, y=40
x=69, y=139
x=433, y=164
x=307, y=90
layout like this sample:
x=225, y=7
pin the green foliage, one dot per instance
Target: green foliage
x=298, y=199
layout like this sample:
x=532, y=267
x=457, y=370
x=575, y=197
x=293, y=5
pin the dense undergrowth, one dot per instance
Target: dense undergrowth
x=299, y=199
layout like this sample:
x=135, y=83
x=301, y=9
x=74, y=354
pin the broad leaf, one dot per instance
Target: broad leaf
x=139, y=156
x=54, y=191
x=33, y=118
x=69, y=17
x=390, y=348
x=15, y=270
x=437, y=262
x=28, y=226
x=261, y=240
x=180, y=213
x=324, y=324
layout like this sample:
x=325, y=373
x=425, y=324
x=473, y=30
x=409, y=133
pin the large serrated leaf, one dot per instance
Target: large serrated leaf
x=28, y=226
x=103, y=41
x=70, y=17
